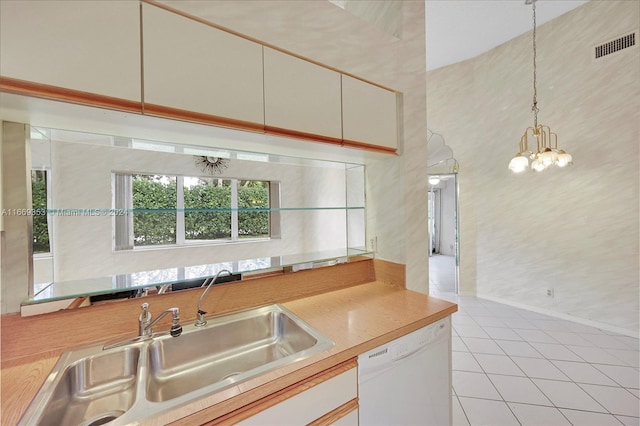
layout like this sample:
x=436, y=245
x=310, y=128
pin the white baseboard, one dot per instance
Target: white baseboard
x=591, y=323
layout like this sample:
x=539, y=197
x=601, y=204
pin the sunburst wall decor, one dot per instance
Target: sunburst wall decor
x=212, y=165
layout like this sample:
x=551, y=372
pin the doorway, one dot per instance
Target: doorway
x=443, y=233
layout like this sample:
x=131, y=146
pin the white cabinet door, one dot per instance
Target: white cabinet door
x=194, y=67
x=301, y=96
x=311, y=404
x=89, y=46
x=369, y=114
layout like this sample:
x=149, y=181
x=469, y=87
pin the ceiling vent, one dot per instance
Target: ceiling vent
x=616, y=45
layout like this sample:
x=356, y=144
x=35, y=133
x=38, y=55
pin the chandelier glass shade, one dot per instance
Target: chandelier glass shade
x=546, y=142
x=546, y=155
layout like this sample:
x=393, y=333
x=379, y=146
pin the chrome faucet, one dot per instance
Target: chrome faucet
x=145, y=325
x=201, y=321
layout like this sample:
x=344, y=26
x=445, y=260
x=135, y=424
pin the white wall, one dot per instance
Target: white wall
x=83, y=245
x=447, y=218
x=574, y=230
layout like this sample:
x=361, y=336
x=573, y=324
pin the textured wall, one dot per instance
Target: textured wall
x=574, y=230
x=83, y=244
x=451, y=112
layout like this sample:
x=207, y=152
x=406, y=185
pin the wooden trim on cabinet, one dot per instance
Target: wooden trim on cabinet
x=335, y=415
x=279, y=131
x=269, y=401
x=198, y=117
x=27, y=88
x=255, y=40
x=46, y=91
x=362, y=145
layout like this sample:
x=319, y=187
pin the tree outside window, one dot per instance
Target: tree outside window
x=170, y=210
x=40, y=217
x=154, y=206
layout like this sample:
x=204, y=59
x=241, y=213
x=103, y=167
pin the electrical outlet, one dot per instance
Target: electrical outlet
x=374, y=244
x=550, y=292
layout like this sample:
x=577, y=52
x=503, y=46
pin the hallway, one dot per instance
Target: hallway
x=442, y=274
x=517, y=367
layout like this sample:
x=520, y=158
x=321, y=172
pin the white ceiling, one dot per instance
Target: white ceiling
x=461, y=29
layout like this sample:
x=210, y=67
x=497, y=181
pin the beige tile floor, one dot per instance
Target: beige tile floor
x=517, y=367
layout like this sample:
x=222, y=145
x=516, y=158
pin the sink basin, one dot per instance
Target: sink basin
x=93, y=390
x=227, y=350
x=91, y=386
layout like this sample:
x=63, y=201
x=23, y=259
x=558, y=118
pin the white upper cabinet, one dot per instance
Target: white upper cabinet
x=89, y=46
x=301, y=96
x=194, y=67
x=369, y=114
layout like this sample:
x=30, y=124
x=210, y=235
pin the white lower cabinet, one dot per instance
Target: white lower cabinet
x=312, y=404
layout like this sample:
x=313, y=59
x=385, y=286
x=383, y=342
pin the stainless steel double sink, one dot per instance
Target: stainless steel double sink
x=92, y=386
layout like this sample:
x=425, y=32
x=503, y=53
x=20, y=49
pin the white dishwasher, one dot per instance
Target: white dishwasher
x=407, y=382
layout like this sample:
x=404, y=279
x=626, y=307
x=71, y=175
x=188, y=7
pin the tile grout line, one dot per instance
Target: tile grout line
x=478, y=310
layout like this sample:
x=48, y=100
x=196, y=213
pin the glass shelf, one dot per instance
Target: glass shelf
x=52, y=291
x=116, y=212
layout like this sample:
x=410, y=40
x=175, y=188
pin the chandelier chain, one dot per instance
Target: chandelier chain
x=546, y=152
x=534, y=107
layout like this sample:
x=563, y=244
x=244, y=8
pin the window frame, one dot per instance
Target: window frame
x=123, y=225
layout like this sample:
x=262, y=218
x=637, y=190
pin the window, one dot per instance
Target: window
x=179, y=210
x=253, y=195
x=39, y=194
x=207, y=209
x=154, y=206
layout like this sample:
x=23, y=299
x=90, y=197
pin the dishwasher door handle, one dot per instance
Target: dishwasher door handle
x=366, y=373
x=406, y=354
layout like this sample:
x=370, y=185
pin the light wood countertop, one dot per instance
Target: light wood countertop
x=356, y=318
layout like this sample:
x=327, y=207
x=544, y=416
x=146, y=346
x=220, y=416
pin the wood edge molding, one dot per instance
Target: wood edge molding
x=260, y=42
x=77, y=302
x=335, y=415
x=370, y=147
x=23, y=336
x=253, y=276
x=46, y=91
x=390, y=272
x=269, y=401
x=279, y=131
x=198, y=117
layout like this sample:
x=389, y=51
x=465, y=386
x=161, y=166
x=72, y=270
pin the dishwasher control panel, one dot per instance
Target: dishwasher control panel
x=416, y=340
x=408, y=344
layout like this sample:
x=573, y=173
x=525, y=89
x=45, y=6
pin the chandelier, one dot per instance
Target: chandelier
x=542, y=138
